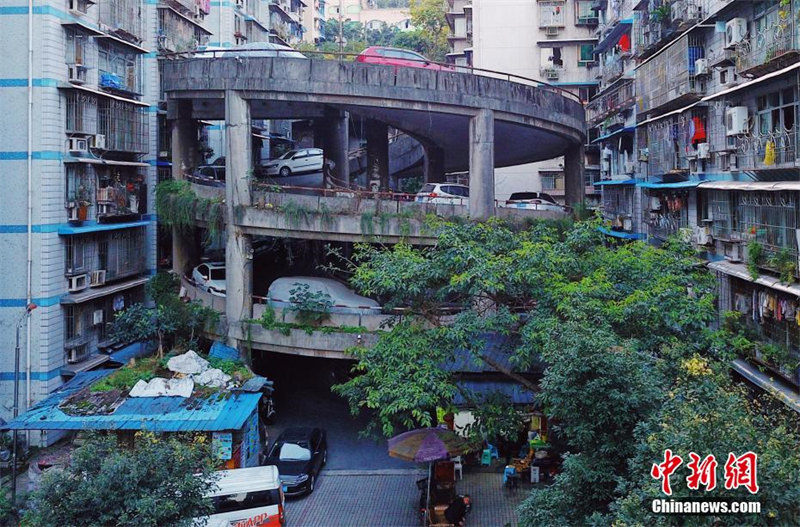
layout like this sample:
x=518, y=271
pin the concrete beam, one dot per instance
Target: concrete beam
x=238, y=246
x=433, y=168
x=574, y=184
x=481, y=165
x=377, y=135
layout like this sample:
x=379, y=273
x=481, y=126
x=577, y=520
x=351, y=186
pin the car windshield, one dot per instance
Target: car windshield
x=218, y=274
x=294, y=452
x=524, y=195
x=288, y=154
x=428, y=188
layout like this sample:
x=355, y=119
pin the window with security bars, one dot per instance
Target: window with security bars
x=119, y=68
x=124, y=126
x=770, y=218
x=81, y=113
x=666, y=212
x=551, y=13
x=720, y=206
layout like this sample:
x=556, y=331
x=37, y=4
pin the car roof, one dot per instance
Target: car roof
x=390, y=48
x=296, y=432
x=240, y=480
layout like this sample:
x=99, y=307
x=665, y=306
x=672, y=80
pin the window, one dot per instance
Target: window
x=586, y=55
x=118, y=68
x=584, y=13
x=247, y=500
x=551, y=57
x=551, y=14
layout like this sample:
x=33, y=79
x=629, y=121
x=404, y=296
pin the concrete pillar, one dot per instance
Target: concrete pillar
x=238, y=175
x=184, y=159
x=433, y=163
x=574, y=184
x=481, y=165
x=377, y=153
x=337, y=146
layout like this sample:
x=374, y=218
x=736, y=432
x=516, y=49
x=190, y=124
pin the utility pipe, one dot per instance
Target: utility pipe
x=29, y=268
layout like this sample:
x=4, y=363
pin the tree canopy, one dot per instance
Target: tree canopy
x=160, y=481
x=633, y=364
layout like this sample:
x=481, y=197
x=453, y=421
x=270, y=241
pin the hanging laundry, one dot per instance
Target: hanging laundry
x=625, y=43
x=699, y=135
x=769, y=153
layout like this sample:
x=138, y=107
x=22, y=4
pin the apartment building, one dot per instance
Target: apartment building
x=314, y=21
x=549, y=40
x=86, y=245
x=286, y=21
x=696, y=116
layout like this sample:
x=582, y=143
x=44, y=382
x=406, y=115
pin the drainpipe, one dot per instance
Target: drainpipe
x=30, y=206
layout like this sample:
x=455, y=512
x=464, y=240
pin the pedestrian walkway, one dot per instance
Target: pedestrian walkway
x=389, y=498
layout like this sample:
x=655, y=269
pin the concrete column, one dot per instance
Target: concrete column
x=377, y=152
x=481, y=165
x=433, y=163
x=574, y=185
x=337, y=146
x=238, y=246
x=184, y=159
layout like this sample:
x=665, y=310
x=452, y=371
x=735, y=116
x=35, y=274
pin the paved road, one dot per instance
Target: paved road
x=390, y=499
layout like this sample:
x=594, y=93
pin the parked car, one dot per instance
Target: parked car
x=279, y=293
x=301, y=161
x=245, y=496
x=398, y=57
x=299, y=454
x=534, y=201
x=443, y=193
x=251, y=49
x=210, y=277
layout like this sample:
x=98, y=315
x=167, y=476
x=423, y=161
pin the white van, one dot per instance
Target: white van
x=247, y=497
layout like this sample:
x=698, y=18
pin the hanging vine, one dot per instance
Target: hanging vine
x=178, y=206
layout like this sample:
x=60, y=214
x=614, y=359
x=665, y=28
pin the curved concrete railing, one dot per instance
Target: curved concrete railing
x=350, y=216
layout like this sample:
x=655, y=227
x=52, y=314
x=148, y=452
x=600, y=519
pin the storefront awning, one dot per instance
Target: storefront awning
x=628, y=129
x=750, y=185
x=677, y=184
x=612, y=182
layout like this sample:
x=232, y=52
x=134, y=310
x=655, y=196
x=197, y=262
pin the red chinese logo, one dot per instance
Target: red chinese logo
x=742, y=471
x=664, y=470
x=702, y=472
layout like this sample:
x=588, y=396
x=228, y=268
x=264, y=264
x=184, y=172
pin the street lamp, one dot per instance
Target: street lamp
x=28, y=309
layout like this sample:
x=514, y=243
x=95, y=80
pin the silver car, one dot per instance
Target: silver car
x=301, y=161
x=443, y=193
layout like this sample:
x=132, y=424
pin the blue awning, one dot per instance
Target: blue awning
x=677, y=184
x=622, y=234
x=612, y=182
x=629, y=129
x=478, y=389
x=85, y=228
x=612, y=37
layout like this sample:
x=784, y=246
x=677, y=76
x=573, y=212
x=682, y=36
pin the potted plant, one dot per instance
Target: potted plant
x=83, y=200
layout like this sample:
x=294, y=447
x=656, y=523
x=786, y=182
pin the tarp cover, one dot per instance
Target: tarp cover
x=340, y=294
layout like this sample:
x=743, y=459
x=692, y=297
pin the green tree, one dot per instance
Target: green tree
x=428, y=17
x=160, y=481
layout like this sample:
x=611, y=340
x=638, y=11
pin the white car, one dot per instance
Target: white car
x=301, y=161
x=251, y=49
x=210, y=277
x=443, y=193
x=534, y=201
x=342, y=297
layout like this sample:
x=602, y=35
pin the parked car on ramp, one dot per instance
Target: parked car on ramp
x=301, y=161
x=210, y=277
x=534, y=201
x=398, y=57
x=444, y=194
x=341, y=296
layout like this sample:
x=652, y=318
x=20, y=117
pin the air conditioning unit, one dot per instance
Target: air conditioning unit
x=551, y=74
x=655, y=203
x=76, y=73
x=733, y=251
x=77, y=283
x=77, y=354
x=736, y=121
x=99, y=141
x=701, y=67
x=630, y=167
x=97, y=317
x=727, y=76
x=77, y=144
x=98, y=278
x=703, y=151
x=77, y=7
x=735, y=31
x=551, y=31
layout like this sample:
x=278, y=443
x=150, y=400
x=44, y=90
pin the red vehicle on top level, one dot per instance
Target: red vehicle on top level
x=398, y=57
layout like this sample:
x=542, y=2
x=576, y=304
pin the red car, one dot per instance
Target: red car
x=398, y=57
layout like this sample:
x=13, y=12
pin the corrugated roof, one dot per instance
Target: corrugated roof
x=131, y=351
x=751, y=185
x=223, y=411
x=498, y=349
x=481, y=388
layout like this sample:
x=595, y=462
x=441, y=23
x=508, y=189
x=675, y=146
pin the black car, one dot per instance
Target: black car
x=299, y=454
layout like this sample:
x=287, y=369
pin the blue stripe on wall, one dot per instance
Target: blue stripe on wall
x=21, y=302
x=46, y=228
x=35, y=375
x=50, y=155
x=23, y=83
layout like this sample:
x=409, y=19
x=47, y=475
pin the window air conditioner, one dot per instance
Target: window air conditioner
x=98, y=278
x=99, y=141
x=703, y=151
x=735, y=31
x=733, y=251
x=77, y=144
x=76, y=73
x=736, y=121
x=77, y=354
x=77, y=283
x=97, y=317
x=551, y=31
x=701, y=67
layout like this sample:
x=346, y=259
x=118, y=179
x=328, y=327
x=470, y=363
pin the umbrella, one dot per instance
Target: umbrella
x=428, y=444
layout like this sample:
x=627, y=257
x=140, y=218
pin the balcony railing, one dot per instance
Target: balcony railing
x=124, y=126
x=610, y=102
x=768, y=50
x=119, y=200
x=775, y=149
x=611, y=71
x=123, y=17
x=668, y=80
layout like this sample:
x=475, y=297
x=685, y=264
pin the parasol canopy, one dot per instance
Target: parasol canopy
x=428, y=444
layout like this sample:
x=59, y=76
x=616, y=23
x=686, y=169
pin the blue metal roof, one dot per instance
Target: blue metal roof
x=218, y=412
x=481, y=388
x=622, y=234
x=677, y=184
x=87, y=227
x=131, y=351
x=498, y=349
x=613, y=182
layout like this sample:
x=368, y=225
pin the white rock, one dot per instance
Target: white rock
x=160, y=387
x=188, y=363
x=213, y=377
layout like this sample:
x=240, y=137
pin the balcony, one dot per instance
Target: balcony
x=122, y=18
x=668, y=80
x=769, y=50
x=612, y=70
x=177, y=32
x=611, y=102
x=121, y=202
x=768, y=151
x=124, y=127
